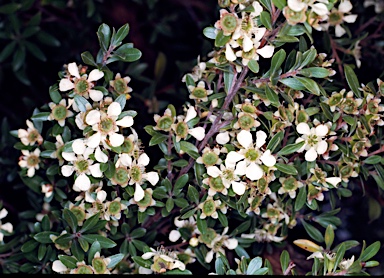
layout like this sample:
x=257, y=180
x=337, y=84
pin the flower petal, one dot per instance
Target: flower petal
x=114, y=109
x=139, y=193
x=260, y=138
x=244, y=137
x=350, y=18
x=229, y=54
x=296, y=5
x=69, y=156
x=66, y=170
x=232, y=158
x=78, y=146
x=268, y=159
x=213, y=171
x=231, y=243
x=345, y=6
x=209, y=257
x=83, y=182
x=174, y=235
x=152, y=177
x=3, y=213
x=339, y=31
x=94, y=140
x=126, y=159
x=65, y=85
x=197, y=132
x=96, y=95
x=322, y=130
x=238, y=187
x=116, y=139
x=322, y=147
x=148, y=255
x=303, y=128
x=95, y=170
x=73, y=69
x=222, y=137
x=266, y=51
x=58, y=266
x=254, y=172
x=93, y=117
x=320, y=9
x=241, y=168
x=333, y=180
x=127, y=121
x=311, y=154
x=100, y=156
x=143, y=159
x=247, y=43
x=95, y=75
x=191, y=113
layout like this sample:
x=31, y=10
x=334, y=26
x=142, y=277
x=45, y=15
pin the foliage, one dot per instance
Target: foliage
x=272, y=136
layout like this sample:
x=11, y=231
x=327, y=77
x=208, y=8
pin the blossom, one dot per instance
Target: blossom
x=47, y=189
x=189, y=224
x=146, y=201
x=107, y=124
x=210, y=206
x=82, y=165
x=299, y=5
x=29, y=136
x=199, y=92
x=289, y=185
x=163, y=260
x=7, y=227
x=30, y=160
x=120, y=85
x=182, y=129
x=251, y=156
x=82, y=85
x=340, y=15
x=60, y=111
x=197, y=71
x=314, y=140
x=217, y=243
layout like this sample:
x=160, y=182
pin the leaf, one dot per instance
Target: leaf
x=137, y=233
x=104, y=35
x=141, y=262
x=68, y=261
x=352, y=80
x=43, y=237
x=7, y=50
x=63, y=239
x=201, y=224
x=54, y=94
x=128, y=54
x=18, y=59
x=312, y=231
x=241, y=228
x=120, y=35
x=308, y=57
x=284, y=260
x=90, y=223
x=47, y=39
x=9, y=8
x=36, y=51
x=253, y=65
x=95, y=247
x=280, y=4
x=339, y=255
x=291, y=148
x=210, y=32
x=88, y=59
x=219, y=266
x=104, y=242
x=222, y=218
x=307, y=245
x=189, y=149
x=178, y=272
x=121, y=100
x=114, y=260
x=83, y=244
x=42, y=116
x=292, y=83
x=254, y=265
x=329, y=237
x=221, y=40
x=301, y=198
x=327, y=111
x=348, y=245
x=275, y=141
x=374, y=159
x=277, y=61
x=272, y=96
x=29, y=246
x=180, y=183
x=81, y=102
x=77, y=251
x=315, y=72
x=192, y=194
x=309, y=84
x=71, y=219
x=169, y=205
x=265, y=18
x=370, y=251
x=374, y=209
x=228, y=79
x=157, y=139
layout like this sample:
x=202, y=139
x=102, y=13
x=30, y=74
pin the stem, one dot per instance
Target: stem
x=108, y=54
x=291, y=265
x=169, y=163
x=267, y=79
x=335, y=55
x=377, y=151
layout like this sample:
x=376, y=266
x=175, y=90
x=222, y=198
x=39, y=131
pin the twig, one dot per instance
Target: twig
x=291, y=265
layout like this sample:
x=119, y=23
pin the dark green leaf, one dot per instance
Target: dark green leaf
x=169, y=204
x=220, y=39
x=42, y=116
x=329, y=236
x=292, y=83
x=254, y=265
x=228, y=79
x=114, y=260
x=77, y=251
x=291, y=148
x=339, y=255
x=104, y=35
x=309, y=84
x=370, y=251
x=68, y=261
x=157, y=139
x=277, y=61
x=120, y=35
x=374, y=159
x=90, y=223
x=189, y=149
x=192, y=194
x=284, y=260
x=104, y=242
x=137, y=233
x=265, y=18
x=222, y=218
x=43, y=237
x=301, y=198
x=219, y=266
x=18, y=58
x=352, y=80
x=29, y=246
x=275, y=141
x=71, y=219
x=95, y=247
x=128, y=54
x=312, y=231
x=7, y=50
x=88, y=59
x=272, y=96
x=201, y=224
x=141, y=262
x=253, y=65
x=280, y=4
x=9, y=8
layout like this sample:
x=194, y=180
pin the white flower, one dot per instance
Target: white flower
x=81, y=164
x=167, y=259
x=313, y=138
x=218, y=243
x=81, y=84
x=29, y=136
x=181, y=128
x=60, y=111
x=378, y=4
x=30, y=160
x=249, y=159
x=318, y=8
x=8, y=227
x=222, y=138
x=106, y=124
x=340, y=15
x=228, y=177
x=59, y=267
x=189, y=224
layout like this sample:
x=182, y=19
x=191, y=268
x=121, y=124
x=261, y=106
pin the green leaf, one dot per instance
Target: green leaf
x=95, y=247
x=77, y=251
x=301, y=198
x=54, y=94
x=137, y=233
x=292, y=83
x=128, y=54
x=254, y=265
x=284, y=260
x=141, y=262
x=329, y=236
x=81, y=102
x=275, y=141
x=7, y=50
x=42, y=116
x=277, y=61
x=36, y=51
x=121, y=100
x=180, y=183
x=192, y=194
x=352, y=80
x=83, y=244
x=280, y=4
x=374, y=159
x=43, y=237
x=71, y=219
x=157, y=139
x=169, y=205
x=201, y=224
x=120, y=35
x=315, y=72
x=291, y=148
x=327, y=111
x=68, y=261
x=18, y=59
x=178, y=272
x=339, y=255
x=47, y=39
x=189, y=149
x=370, y=251
x=88, y=59
x=312, y=231
x=348, y=245
x=253, y=65
x=308, y=57
x=265, y=18
x=222, y=218
x=228, y=79
x=309, y=84
x=241, y=228
x=219, y=266
x=63, y=239
x=221, y=40
x=29, y=246
x=272, y=96
x=9, y=8
x=104, y=242
x=104, y=35
x=90, y=223
x=210, y=32
x=114, y=260
x=261, y=271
